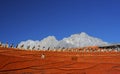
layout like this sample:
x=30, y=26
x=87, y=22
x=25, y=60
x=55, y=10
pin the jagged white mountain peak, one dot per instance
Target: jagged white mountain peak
x=80, y=35
x=83, y=34
x=76, y=40
x=83, y=39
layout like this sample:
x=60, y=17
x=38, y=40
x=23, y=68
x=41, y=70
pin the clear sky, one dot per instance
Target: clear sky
x=36, y=19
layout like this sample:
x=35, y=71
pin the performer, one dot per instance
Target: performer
x=6, y=45
x=0, y=44
x=12, y=46
x=42, y=56
x=17, y=46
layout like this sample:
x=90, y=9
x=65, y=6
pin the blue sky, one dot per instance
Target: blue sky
x=36, y=19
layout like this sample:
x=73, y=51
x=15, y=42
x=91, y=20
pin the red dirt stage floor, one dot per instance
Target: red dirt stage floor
x=16, y=61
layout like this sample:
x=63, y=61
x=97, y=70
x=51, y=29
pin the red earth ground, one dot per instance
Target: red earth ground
x=16, y=61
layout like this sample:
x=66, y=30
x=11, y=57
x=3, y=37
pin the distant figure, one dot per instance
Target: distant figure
x=17, y=46
x=48, y=48
x=28, y=47
x=33, y=47
x=38, y=47
x=6, y=45
x=43, y=47
x=22, y=46
x=12, y=46
x=42, y=56
x=0, y=44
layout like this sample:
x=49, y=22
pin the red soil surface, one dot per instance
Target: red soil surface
x=16, y=61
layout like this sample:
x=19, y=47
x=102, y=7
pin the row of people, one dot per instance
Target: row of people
x=7, y=45
x=85, y=49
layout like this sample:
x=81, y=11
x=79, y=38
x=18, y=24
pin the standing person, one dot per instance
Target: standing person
x=33, y=47
x=0, y=44
x=6, y=45
x=28, y=47
x=11, y=46
x=17, y=46
x=22, y=46
x=42, y=56
x=48, y=48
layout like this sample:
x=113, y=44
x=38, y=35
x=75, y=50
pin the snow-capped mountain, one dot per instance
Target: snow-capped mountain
x=82, y=39
x=75, y=40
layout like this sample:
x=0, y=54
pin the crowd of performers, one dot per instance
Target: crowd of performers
x=110, y=48
x=7, y=45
